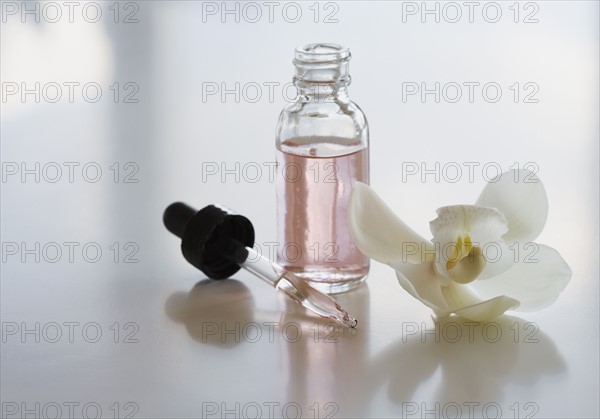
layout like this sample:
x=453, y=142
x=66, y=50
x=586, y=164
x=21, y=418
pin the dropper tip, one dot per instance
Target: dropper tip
x=350, y=321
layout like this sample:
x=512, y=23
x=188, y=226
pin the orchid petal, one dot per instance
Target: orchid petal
x=521, y=197
x=458, y=296
x=487, y=310
x=422, y=282
x=379, y=233
x=468, y=305
x=536, y=280
x=469, y=242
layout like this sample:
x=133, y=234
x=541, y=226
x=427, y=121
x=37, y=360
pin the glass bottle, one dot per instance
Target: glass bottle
x=322, y=150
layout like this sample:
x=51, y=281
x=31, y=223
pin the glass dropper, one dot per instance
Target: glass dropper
x=220, y=242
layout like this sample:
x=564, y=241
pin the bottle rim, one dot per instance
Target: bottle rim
x=321, y=53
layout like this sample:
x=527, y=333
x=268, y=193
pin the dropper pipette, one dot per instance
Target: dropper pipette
x=220, y=242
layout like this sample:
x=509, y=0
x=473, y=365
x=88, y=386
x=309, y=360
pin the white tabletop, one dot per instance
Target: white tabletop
x=102, y=316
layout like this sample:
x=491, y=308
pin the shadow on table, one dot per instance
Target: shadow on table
x=476, y=360
x=211, y=307
x=328, y=370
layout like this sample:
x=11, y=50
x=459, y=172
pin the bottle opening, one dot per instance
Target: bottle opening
x=321, y=53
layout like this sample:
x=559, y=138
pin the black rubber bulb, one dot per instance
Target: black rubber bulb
x=212, y=239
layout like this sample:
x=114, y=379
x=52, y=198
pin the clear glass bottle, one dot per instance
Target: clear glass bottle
x=322, y=150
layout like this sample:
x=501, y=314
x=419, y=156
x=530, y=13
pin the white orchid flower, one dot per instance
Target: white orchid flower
x=481, y=261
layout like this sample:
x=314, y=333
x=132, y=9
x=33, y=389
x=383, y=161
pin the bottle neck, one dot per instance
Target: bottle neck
x=322, y=72
x=322, y=92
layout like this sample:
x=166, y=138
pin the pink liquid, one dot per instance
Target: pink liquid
x=313, y=194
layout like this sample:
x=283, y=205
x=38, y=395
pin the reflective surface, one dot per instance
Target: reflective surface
x=100, y=312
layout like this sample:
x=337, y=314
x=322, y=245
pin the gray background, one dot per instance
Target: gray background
x=164, y=362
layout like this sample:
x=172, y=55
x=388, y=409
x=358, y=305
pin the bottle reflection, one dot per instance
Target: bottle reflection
x=324, y=364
